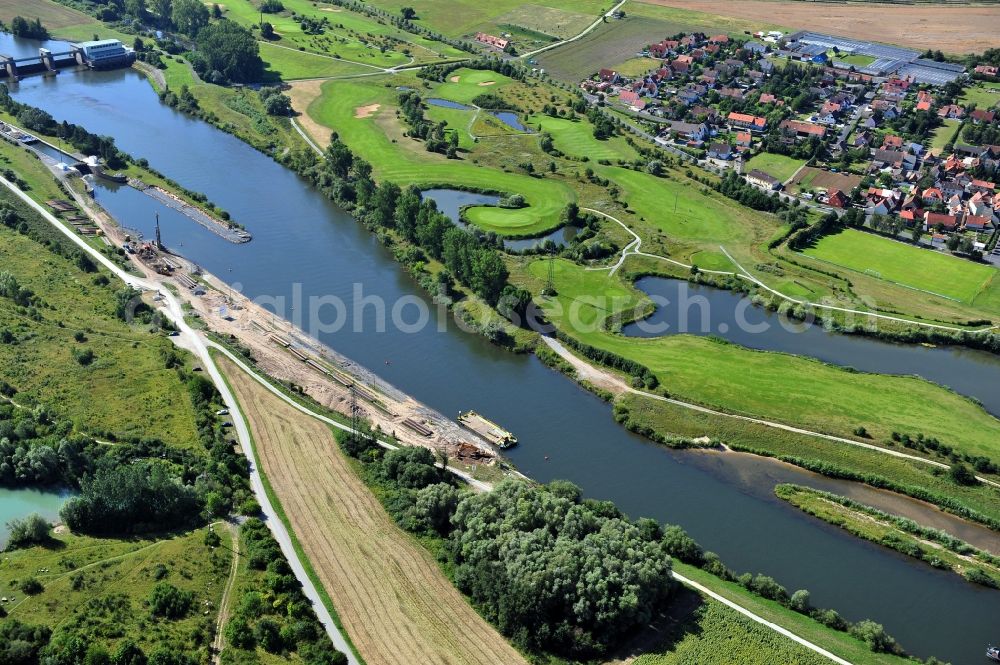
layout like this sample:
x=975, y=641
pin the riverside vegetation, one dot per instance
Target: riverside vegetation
x=139, y=576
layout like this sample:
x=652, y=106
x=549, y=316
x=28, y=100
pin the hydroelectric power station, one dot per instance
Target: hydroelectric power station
x=99, y=54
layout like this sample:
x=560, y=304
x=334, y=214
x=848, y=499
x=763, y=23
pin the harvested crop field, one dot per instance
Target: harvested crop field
x=609, y=44
x=953, y=29
x=53, y=16
x=814, y=178
x=393, y=600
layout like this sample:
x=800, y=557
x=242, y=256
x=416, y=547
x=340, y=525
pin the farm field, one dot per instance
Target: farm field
x=101, y=586
x=917, y=268
x=789, y=389
x=464, y=17
x=126, y=389
x=610, y=43
x=62, y=22
x=780, y=166
x=968, y=29
x=397, y=607
x=379, y=138
x=814, y=178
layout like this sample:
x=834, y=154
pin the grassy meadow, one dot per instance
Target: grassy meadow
x=102, y=586
x=907, y=265
x=780, y=166
x=126, y=389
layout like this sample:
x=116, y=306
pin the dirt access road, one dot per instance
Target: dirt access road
x=953, y=29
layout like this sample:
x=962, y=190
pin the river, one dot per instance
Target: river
x=303, y=244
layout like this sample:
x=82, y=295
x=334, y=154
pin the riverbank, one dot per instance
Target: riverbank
x=931, y=546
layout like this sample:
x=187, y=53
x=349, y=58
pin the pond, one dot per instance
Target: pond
x=508, y=118
x=19, y=503
x=685, y=308
x=451, y=202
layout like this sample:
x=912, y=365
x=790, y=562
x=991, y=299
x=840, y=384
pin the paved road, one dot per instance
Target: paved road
x=585, y=32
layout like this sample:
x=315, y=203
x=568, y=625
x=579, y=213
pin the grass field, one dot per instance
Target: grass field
x=463, y=85
x=126, y=390
x=789, y=389
x=905, y=264
x=394, y=601
x=721, y=636
x=290, y=64
x=983, y=95
x=944, y=135
x=637, y=66
x=62, y=22
x=780, y=166
x=380, y=139
x=349, y=35
x=102, y=585
x=855, y=59
x=576, y=137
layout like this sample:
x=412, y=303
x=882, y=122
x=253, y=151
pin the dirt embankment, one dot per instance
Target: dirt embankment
x=952, y=29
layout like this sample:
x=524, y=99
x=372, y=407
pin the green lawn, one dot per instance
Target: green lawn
x=983, y=95
x=944, y=134
x=463, y=85
x=786, y=388
x=905, y=264
x=576, y=138
x=637, y=66
x=379, y=139
x=678, y=207
x=291, y=64
x=780, y=166
x=854, y=59
x=101, y=587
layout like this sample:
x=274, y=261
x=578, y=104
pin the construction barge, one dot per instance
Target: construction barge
x=221, y=228
x=487, y=429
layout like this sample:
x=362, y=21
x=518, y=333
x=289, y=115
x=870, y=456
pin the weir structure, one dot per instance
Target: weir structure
x=101, y=54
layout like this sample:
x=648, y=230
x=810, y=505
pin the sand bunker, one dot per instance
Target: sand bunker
x=483, y=84
x=455, y=79
x=366, y=111
x=330, y=9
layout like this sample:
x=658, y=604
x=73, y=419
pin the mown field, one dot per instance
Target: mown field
x=789, y=389
x=904, y=264
x=126, y=390
x=394, y=601
x=944, y=135
x=62, y=22
x=576, y=137
x=983, y=95
x=780, y=166
x=103, y=585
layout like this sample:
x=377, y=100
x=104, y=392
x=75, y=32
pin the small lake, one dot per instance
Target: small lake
x=19, y=503
x=508, y=118
x=451, y=202
x=685, y=308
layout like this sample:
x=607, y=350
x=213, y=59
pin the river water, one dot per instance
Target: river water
x=305, y=246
